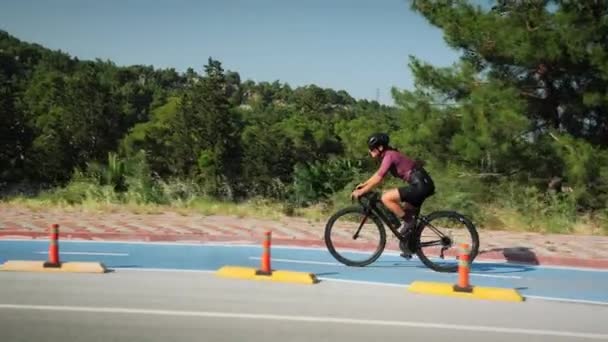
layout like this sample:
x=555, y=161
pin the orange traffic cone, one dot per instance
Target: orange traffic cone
x=463, y=270
x=265, y=266
x=53, y=260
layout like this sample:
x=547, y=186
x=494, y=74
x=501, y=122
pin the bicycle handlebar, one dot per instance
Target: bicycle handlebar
x=372, y=196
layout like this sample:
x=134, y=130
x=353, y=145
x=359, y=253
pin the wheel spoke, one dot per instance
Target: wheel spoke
x=436, y=230
x=358, y=249
x=430, y=243
x=438, y=250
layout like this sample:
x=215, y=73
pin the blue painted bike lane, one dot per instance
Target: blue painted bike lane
x=531, y=281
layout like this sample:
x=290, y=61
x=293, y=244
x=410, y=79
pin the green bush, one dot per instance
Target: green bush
x=122, y=181
x=537, y=210
x=319, y=180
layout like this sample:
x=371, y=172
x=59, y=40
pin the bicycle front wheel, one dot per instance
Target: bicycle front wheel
x=439, y=238
x=354, y=237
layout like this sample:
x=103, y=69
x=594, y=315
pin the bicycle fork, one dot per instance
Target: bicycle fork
x=363, y=220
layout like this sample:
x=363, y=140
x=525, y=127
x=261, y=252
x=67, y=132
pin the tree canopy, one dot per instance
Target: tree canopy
x=520, y=121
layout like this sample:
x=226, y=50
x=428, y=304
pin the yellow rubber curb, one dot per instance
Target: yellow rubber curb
x=488, y=293
x=38, y=266
x=277, y=275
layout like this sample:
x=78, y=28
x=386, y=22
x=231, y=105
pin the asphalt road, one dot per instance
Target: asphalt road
x=136, y=305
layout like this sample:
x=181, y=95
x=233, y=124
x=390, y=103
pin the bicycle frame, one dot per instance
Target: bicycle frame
x=378, y=208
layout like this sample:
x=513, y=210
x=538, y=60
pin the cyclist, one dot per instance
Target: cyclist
x=420, y=187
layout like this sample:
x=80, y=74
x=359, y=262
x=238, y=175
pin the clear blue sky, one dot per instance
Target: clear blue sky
x=355, y=45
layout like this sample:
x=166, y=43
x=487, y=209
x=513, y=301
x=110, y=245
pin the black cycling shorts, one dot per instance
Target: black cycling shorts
x=420, y=188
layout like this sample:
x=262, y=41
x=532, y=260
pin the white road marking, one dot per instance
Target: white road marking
x=362, y=282
x=86, y=253
x=494, y=276
x=292, y=261
x=137, y=269
x=309, y=319
x=579, y=301
x=474, y=274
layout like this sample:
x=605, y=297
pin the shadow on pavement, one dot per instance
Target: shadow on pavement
x=518, y=259
x=523, y=255
x=393, y=263
x=499, y=268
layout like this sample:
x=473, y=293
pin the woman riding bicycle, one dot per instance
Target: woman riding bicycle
x=420, y=187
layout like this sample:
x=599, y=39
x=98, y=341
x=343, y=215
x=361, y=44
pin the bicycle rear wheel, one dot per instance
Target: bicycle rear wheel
x=355, y=238
x=439, y=237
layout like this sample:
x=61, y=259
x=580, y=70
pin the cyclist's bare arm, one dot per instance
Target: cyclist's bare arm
x=369, y=184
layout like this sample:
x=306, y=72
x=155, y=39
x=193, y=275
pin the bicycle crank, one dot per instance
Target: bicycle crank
x=446, y=242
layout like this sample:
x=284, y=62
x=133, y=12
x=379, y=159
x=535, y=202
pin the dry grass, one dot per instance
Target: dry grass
x=199, y=206
x=495, y=218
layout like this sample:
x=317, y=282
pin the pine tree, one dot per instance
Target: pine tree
x=207, y=131
x=532, y=74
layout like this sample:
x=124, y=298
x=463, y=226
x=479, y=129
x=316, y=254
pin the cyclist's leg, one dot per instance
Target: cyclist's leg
x=392, y=200
x=412, y=199
x=411, y=211
x=414, y=195
x=410, y=196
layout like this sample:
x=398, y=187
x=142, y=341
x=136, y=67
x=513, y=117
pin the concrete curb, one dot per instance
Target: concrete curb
x=38, y=266
x=248, y=273
x=486, y=293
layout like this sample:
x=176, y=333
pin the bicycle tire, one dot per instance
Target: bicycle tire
x=447, y=214
x=330, y=245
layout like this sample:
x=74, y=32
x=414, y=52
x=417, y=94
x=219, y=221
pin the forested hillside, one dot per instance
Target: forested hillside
x=515, y=133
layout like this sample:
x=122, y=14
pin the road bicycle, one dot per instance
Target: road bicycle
x=355, y=231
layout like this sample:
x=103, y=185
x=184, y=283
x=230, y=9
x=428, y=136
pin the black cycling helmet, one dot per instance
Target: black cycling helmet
x=377, y=139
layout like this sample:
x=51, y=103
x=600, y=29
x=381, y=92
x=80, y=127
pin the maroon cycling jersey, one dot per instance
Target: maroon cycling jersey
x=398, y=164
